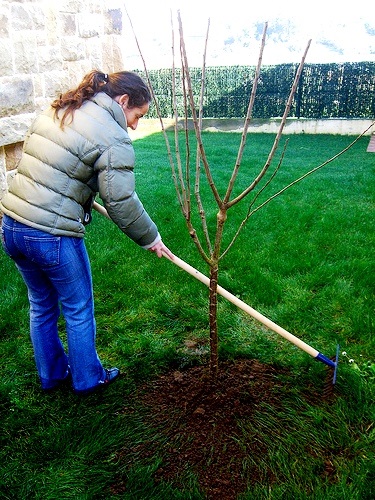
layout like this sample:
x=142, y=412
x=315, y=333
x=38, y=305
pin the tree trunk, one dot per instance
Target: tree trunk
x=214, y=344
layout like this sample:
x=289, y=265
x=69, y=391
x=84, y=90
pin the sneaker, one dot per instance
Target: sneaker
x=110, y=375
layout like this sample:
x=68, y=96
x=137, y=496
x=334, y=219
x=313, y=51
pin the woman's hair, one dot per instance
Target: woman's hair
x=114, y=84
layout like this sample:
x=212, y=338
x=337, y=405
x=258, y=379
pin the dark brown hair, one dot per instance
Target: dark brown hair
x=113, y=84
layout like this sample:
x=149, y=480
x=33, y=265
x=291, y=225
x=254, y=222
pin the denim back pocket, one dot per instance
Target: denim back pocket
x=43, y=251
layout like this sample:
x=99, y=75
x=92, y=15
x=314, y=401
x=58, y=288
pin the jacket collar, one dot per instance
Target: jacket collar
x=104, y=101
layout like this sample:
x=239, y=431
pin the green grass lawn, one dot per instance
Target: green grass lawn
x=306, y=261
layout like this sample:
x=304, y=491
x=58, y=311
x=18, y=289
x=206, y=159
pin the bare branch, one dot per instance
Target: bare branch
x=187, y=142
x=195, y=119
x=248, y=119
x=186, y=191
x=271, y=178
x=310, y=172
x=147, y=76
x=194, y=237
x=252, y=212
x=241, y=226
x=278, y=135
x=184, y=197
x=169, y=152
x=203, y=80
x=198, y=156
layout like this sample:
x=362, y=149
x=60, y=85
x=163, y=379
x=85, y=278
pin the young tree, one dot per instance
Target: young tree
x=187, y=172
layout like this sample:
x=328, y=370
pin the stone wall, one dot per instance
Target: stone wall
x=46, y=47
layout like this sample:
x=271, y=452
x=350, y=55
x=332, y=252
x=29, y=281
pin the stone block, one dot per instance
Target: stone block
x=113, y=21
x=74, y=71
x=72, y=49
x=112, y=53
x=16, y=95
x=13, y=129
x=25, y=52
x=28, y=16
x=50, y=59
x=94, y=53
x=42, y=103
x=52, y=27
x=38, y=83
x=89, y=25
x=68, y=24
x=13, y=154
x=6, y=60
x=56, y=83
x=4, y=21
x=71, y=6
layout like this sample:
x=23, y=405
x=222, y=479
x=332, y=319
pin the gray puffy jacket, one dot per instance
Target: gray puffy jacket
x=61, y=170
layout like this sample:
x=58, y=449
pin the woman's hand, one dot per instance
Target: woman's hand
x=160, y=249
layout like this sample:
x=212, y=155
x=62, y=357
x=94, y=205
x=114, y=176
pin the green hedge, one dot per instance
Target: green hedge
x=325, y=91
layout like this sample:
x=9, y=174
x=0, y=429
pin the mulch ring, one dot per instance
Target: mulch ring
x=199, y=425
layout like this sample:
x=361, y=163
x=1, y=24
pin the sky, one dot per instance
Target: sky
x=339, y=32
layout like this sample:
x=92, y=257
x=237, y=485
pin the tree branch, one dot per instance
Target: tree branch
x=247, y=120
x=194, y=116
x=278, y=136
x=180, y=197
x=309, y=172
x=241, y=226
x=201, y=210
x=252, y=212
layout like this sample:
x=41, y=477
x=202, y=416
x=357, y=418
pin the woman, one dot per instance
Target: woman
x=75, y=149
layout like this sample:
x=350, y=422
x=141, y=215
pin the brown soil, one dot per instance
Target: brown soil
x=199, y=425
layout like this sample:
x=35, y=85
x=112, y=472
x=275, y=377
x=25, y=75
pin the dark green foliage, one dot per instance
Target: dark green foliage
x=345, y=90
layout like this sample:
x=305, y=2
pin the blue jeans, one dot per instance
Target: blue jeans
x=56, y=270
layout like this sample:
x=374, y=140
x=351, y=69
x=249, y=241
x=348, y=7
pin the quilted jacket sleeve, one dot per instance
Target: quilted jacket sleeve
x=116, y=184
